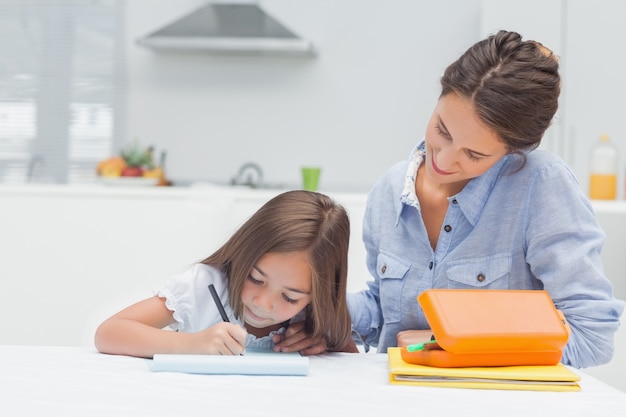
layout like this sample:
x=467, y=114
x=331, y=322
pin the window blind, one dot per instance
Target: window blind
x=62, y=101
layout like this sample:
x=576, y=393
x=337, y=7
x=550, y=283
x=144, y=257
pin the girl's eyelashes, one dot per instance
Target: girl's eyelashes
x=254, y=280
x=285, y=297
x=289, y=300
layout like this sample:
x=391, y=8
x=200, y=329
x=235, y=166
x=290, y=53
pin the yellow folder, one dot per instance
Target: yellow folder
x=531, y=378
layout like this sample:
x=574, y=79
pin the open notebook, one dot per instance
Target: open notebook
x=533, y=378
x=254, y=362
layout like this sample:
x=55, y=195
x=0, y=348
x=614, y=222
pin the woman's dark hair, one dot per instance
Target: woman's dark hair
x=514, y=86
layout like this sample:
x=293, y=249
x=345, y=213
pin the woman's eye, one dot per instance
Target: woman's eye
x=473, y=157
x=441, y=132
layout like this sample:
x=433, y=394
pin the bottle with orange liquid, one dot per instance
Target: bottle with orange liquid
x=603, y=170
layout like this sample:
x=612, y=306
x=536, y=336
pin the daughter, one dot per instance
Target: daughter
x=285, y=267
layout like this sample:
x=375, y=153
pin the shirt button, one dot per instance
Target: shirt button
x=454, y=201
x=383, y=269
x=447, y=228
x=480, y=278
x=430, y=265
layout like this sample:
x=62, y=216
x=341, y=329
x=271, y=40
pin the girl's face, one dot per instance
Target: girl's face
x=459, y=146
x=278, y=288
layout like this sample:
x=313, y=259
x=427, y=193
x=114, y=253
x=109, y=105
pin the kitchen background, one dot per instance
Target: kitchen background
x=75, y=86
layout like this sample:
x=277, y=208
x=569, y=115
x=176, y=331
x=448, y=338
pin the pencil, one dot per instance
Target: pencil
x=218, y=303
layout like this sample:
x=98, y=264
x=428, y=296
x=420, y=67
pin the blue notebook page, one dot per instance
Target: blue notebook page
x=254, y=362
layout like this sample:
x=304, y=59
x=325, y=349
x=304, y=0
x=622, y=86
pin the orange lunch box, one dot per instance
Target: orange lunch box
x=490, y=328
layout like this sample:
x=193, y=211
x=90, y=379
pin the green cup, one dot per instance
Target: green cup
x=310, y=178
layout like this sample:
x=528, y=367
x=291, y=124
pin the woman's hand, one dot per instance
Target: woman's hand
x=295, y=339
x=410, y=337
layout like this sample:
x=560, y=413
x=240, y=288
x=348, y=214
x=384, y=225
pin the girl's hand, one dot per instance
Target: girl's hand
x=138, y=330
x=409, y=337
x=295, y=339
x=220, y=339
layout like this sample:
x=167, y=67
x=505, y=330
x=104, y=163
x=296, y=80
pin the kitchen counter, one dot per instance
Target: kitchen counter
x=196, y=189
x=76, y=254
x=71, y=381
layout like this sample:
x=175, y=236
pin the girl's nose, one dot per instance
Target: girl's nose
x=263, y=300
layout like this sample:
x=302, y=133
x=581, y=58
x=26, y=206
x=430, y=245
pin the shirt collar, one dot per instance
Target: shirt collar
x=471, y=199
x=416, y=158
x=475, y=194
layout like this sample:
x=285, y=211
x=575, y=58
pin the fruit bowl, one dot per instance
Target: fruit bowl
x=130, y=181
x=133, y=167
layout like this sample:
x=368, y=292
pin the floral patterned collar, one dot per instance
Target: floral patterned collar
x=408, y=196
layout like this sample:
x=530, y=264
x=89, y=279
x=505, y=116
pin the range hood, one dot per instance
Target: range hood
x=228, y=28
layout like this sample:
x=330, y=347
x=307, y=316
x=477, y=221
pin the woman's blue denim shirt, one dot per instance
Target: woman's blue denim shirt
x=517, y=226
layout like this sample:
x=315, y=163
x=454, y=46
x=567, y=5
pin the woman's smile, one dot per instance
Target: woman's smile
x=436, y=168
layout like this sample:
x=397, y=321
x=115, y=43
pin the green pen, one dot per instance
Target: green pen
x=419, y=346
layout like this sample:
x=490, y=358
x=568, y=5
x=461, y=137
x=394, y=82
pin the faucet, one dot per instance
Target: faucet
x=35, y=165
x=249, y=174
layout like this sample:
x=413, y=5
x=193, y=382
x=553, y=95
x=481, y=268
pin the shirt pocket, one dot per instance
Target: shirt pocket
x=391, y=272
x=490, y=272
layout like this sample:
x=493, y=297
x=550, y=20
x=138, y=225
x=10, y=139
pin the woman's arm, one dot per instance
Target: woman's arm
x=564, y=243
x=138, y=330
x=364, y=306
x=411, y=337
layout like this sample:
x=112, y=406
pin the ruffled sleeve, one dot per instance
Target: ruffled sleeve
x=187, y=295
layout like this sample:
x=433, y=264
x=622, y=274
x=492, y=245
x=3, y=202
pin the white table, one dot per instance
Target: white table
x=74, y=381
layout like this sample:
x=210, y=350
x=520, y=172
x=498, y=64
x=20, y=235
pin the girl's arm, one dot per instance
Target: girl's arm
x=138, y=330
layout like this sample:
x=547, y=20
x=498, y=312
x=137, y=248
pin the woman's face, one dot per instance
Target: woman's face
x=278, y=288
x=459, y=146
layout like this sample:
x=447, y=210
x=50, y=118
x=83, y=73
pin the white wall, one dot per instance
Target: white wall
x=596, y=81
x=363, y=102
x=356, y=108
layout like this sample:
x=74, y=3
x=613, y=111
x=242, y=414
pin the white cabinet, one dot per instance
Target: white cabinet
x=69, y=255
x=72, y=256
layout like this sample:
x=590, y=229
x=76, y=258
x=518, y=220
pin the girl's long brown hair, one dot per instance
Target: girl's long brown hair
x=297, y=221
